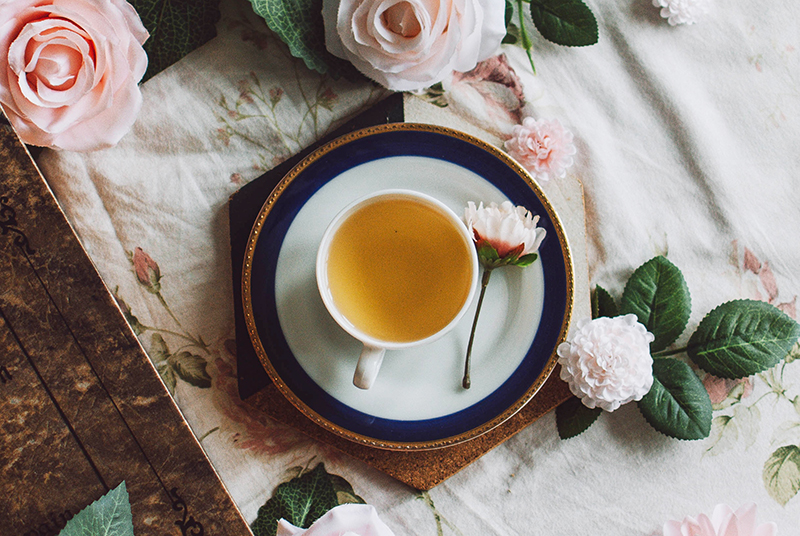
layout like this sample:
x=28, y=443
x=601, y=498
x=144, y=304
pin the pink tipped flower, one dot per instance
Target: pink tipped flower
x=147, y=271
x=723, y=522
x=504, y=234
x=542, y=147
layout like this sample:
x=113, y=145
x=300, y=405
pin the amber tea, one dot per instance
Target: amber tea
x=399, y=270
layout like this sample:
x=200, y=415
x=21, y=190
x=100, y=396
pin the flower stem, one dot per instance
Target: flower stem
x=665, y=353
x=465, y=382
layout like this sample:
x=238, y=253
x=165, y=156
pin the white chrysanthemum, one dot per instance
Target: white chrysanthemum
x=607, y=363
x=508, y=229
x=682, y=11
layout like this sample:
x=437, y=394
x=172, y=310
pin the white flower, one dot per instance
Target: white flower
x=607, y=363
x=723, y=522
x=408, y=45
x=511, y=231
x=342, y=520
x=682, y=11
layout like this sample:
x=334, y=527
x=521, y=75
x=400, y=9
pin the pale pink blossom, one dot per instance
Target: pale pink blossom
x=543, y=147
x=408, y=45
x=510, y=230
x=607, y=362
x=489, y=96
x=720, y=388
x=723, y=522
x=682, y=11
x=69, y=70
x=342, y=520
x=147, y=271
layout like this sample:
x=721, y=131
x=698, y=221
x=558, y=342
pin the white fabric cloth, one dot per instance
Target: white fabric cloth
x=688, y=143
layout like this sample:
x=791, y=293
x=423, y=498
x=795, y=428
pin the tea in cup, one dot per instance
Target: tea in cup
x=395, y=269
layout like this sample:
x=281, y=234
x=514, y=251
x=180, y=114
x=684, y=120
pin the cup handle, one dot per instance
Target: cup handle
x=368, y=365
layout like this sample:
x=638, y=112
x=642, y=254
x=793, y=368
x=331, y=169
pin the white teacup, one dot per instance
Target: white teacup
x=395, y=269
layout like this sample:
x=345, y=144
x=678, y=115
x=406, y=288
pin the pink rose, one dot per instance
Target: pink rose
x=543, y=147
x=147, y=271
x=412, y=44
x=69, y=70
x=723, y=522
x=342, y=520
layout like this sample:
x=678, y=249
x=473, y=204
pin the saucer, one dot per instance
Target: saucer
x=417, y=401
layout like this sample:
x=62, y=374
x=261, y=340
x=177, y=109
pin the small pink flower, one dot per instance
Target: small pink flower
x=147, y=271
x=542, y=147
x=723, y=522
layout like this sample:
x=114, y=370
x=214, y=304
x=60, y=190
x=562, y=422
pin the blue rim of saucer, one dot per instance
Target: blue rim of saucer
x=277, y=215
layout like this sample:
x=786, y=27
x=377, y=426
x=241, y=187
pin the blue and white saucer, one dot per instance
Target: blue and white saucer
x=417, y=401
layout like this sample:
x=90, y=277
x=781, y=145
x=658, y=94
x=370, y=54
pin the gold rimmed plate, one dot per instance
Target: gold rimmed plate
x=417, y=401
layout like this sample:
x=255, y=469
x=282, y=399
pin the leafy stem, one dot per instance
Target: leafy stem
x=527, y=44
x=465, y=382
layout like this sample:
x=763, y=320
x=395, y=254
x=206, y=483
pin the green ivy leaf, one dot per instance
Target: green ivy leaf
x=573, y=418
x=658, y=295
x=603, y=303
x=303, y=500
x=782, y=473
x=190, y=368
x=110, y=514
x=741, y=338
x=299, y=24
x=565, y=22
x=677, y=404
x=176, y=28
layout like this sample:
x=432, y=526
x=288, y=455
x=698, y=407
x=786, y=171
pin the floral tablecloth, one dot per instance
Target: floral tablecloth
x=688, y=145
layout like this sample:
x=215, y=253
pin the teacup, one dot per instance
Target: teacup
x=395, y=269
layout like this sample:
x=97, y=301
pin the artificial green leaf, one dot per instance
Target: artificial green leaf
x=190, y=368
x=110, y=514
x=573, y=418
x=565, y=22
x=782, y=473
x=526, y=260
x=657, y=294
x=299, y=24
x=741, y=338
x=176, y=28
x=300, y=501
x=603, y=303
x=677, y=404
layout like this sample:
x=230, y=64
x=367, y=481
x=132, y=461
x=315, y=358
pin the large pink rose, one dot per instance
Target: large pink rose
x=409, y=45
x=69, y=70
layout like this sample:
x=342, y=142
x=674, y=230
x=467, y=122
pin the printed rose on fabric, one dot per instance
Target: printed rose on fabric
x=503, y=234
x=723, y=522
x=147, y=271
x=682, y=11
x=342, y=520
x=607, y=362
x=408, y=45
x=69, y=71
x=542, y=147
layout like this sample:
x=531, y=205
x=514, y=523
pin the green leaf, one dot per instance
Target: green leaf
x=573, y=418
x=158, y=348
x=677, y=404
x=110, y=514
x=190, y=368
x=303, y=500
x=176, y=28
x=603, y=303
x=299, y=24
x=657, y=294
x=741, y=338
x=167, y=375
x=723, y=436
x=782, y=473
x=526, y=260
x=565, y=22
